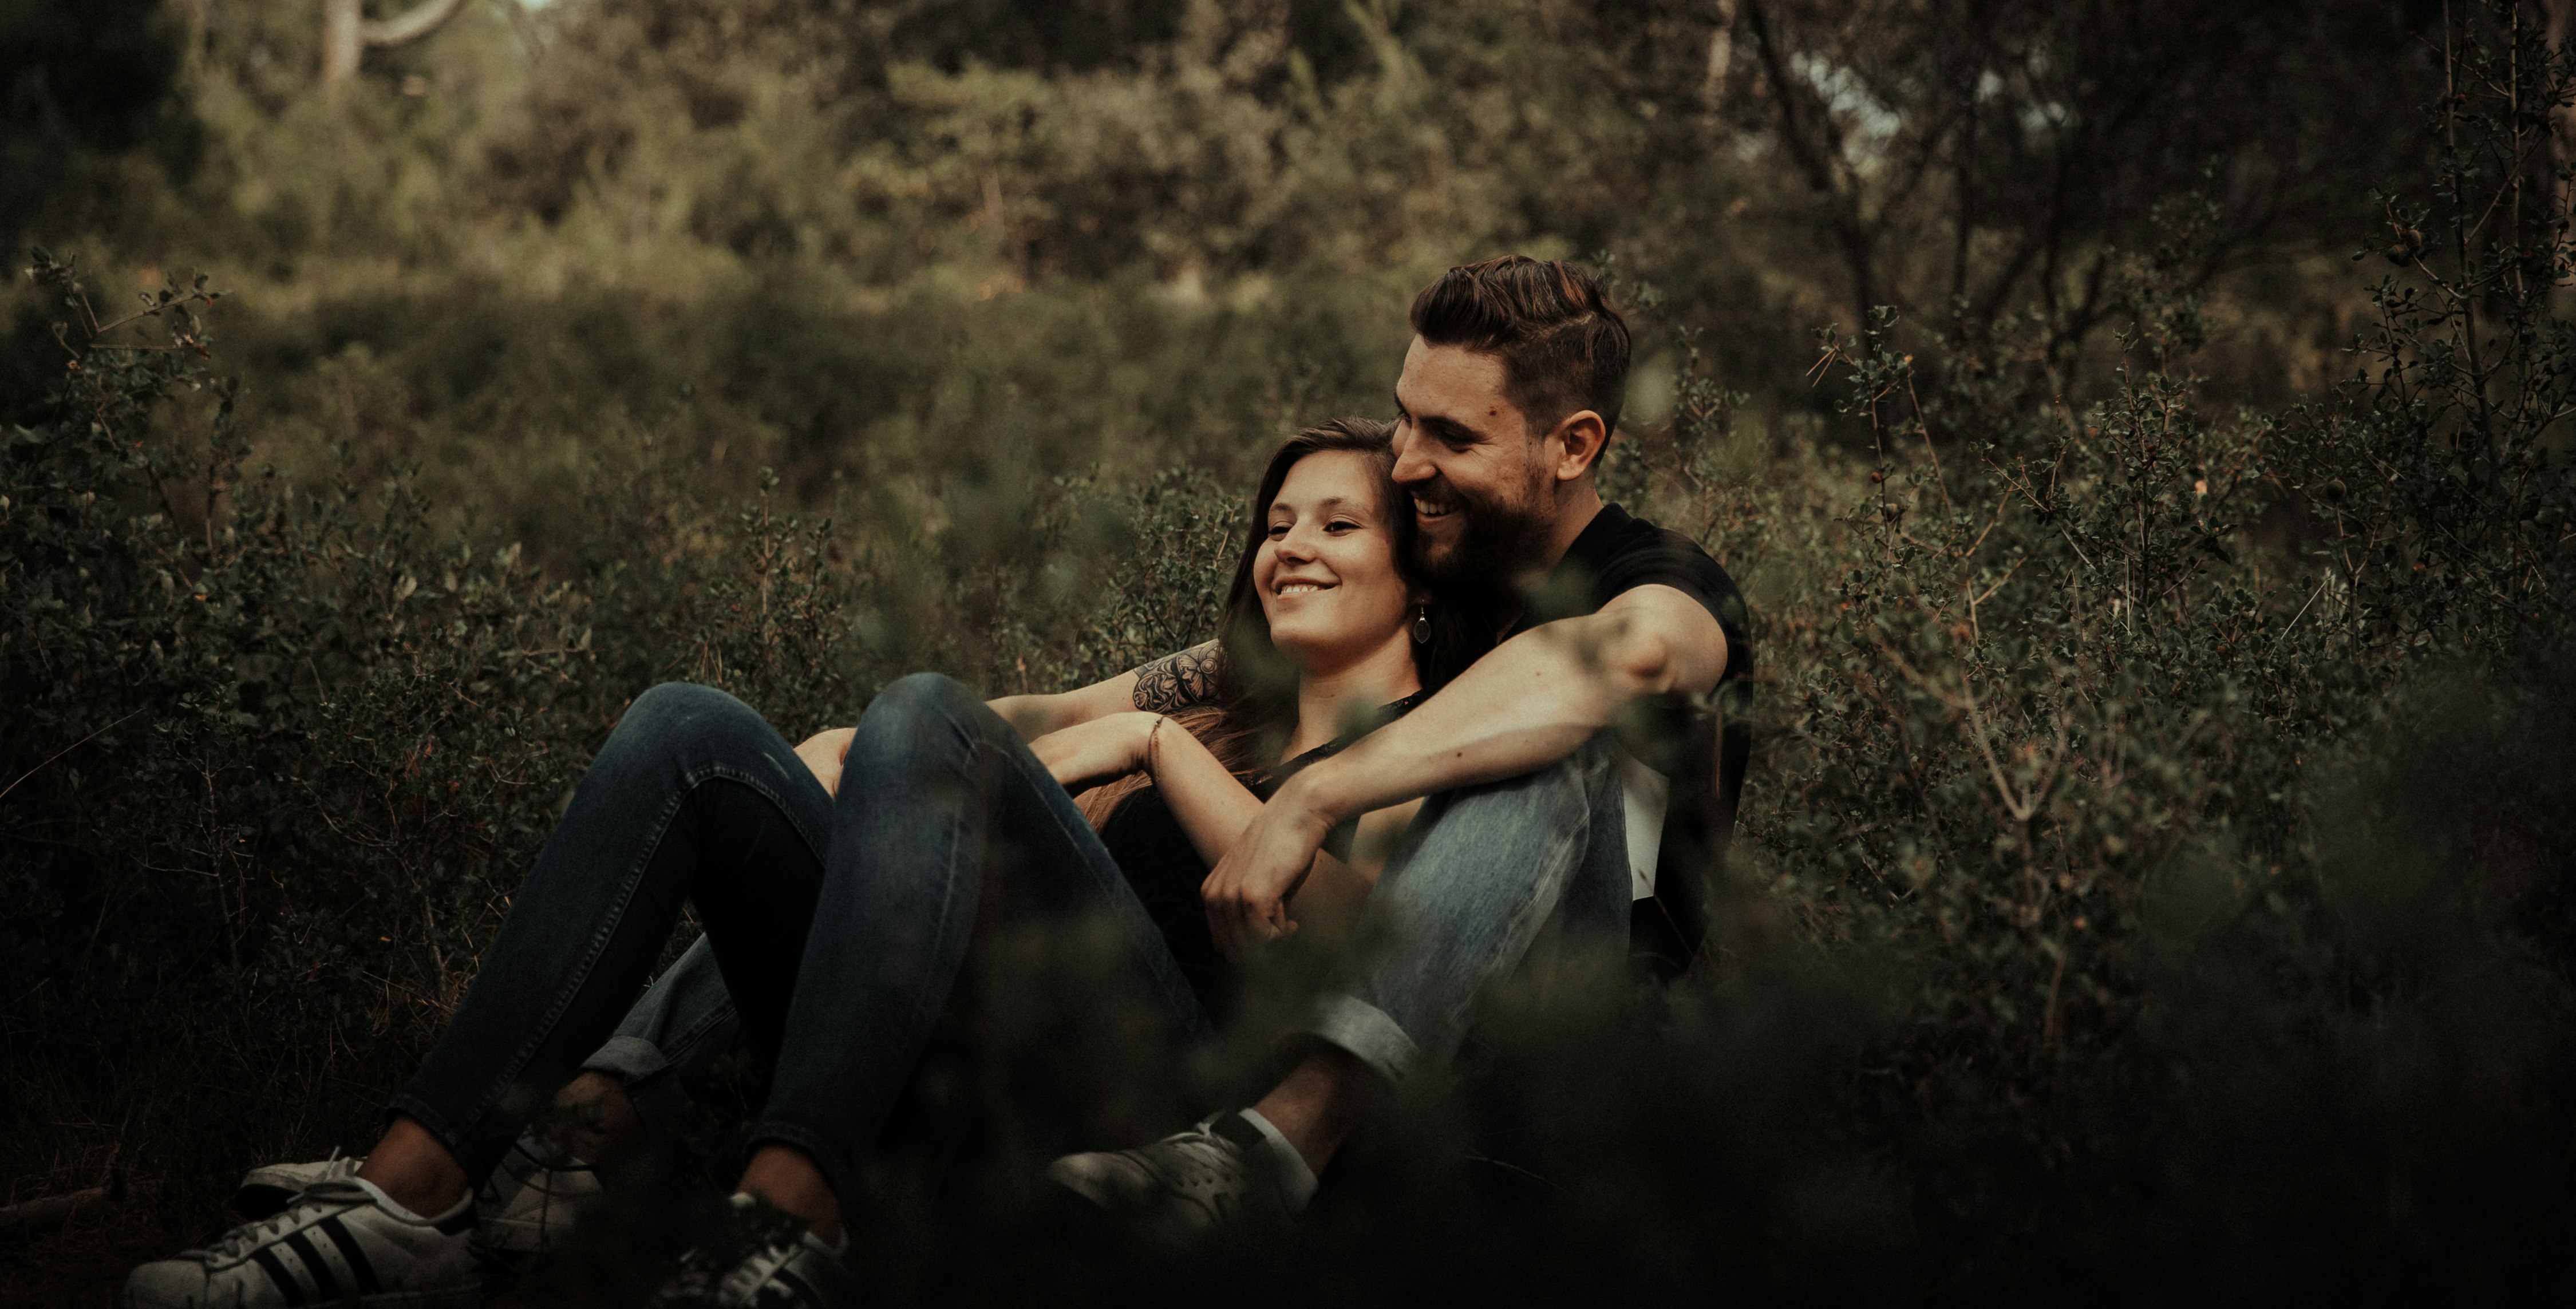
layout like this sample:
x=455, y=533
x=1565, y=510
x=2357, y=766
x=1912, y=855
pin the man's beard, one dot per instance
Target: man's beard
x=1494, y=541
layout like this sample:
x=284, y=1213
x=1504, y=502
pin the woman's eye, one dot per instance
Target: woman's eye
x=1278, y=530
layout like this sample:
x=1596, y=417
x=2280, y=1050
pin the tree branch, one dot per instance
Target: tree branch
x=424, y=19
x=1817, y=161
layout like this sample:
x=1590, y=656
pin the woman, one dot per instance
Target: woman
x=839, y=883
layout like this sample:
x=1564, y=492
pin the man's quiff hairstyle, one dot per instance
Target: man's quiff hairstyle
x=1562, y=346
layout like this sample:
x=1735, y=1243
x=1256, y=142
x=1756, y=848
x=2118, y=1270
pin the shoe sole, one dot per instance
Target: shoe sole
x=519, y=1239
x=449, y=1297
x=455, y=1297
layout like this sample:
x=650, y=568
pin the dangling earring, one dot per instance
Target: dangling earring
x=1422, y=624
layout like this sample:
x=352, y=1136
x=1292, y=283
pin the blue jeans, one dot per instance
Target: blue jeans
x=1485, y=871
x=684, y=1021
x=837, y=925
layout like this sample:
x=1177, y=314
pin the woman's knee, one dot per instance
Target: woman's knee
x=684, y=713
x=936, y=692
x=912, y=717
x=921, y=698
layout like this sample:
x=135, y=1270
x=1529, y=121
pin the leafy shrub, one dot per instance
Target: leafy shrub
x=2072, y=677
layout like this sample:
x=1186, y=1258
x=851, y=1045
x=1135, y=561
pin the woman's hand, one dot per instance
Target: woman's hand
x=823, y=752
x=1247, y=892
x=1101, y=750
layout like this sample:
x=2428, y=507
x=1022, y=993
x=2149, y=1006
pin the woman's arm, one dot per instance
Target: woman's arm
x=1039, y=715
x=1175, y=681
x=1214, y=809
x=1212, y=806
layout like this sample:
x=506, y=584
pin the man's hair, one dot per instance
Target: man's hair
x=1562, y=346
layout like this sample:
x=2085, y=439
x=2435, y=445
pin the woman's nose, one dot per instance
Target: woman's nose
x=1298, y=544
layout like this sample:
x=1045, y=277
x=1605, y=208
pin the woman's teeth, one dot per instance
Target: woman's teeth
x=1299, y=588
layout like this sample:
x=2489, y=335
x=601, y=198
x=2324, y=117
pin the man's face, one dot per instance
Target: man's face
x=1482, y=490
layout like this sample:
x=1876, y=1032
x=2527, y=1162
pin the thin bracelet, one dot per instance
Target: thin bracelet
x=1151, y=735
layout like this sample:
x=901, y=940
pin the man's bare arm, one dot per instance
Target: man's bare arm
x=1536, y=699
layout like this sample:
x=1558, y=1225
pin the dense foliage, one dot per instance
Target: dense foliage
x=2153, y=877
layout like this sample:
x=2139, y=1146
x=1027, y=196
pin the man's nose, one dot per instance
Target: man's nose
x=1411, y=464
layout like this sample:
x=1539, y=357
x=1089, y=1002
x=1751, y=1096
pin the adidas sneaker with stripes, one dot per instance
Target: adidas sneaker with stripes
x=337, y=1242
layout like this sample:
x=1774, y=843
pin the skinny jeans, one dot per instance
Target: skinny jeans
x=837, y=925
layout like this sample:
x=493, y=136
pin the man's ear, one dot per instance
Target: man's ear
x=1578, y=439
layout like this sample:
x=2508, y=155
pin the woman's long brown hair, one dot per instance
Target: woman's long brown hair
x=1248, y=723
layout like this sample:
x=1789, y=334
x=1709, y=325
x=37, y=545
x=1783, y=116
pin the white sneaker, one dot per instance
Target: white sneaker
x=532, y=1200
x=266, y=1189
x=1218, y=1173
x=336, y=1242
x=768, y=1260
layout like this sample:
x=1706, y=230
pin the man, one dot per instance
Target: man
x=1510, y=390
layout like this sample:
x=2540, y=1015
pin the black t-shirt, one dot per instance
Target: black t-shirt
x=1618, y=552
x=1165, y=870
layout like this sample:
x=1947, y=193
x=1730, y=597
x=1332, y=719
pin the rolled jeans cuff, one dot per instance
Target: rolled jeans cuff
x=651, y=1080
x=630, y=1059
x=1362, y=1030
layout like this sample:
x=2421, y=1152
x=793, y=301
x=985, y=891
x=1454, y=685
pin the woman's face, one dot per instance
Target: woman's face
x=1326, y=569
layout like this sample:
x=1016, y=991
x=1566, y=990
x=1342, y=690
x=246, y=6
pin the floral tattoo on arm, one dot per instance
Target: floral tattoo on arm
x=1177, y=681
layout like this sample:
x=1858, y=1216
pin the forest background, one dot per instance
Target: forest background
x=2140, y=428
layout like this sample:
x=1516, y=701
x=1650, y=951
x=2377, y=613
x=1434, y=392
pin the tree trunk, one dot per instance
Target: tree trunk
x=2557, y=15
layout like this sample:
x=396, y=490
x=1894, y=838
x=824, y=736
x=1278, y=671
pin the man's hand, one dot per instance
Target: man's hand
x=823, y=752
x=1101, y=750
x=1247, y=892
